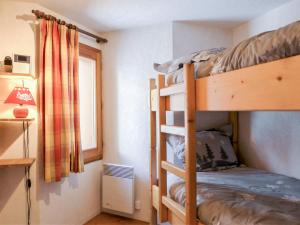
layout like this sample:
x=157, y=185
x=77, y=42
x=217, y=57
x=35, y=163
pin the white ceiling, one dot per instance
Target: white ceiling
x=107, y=15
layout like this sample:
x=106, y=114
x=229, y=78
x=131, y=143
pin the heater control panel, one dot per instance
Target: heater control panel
x=21, y=64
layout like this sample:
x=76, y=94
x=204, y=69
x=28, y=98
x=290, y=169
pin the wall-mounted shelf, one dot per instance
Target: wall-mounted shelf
x=16, y=119
x=16, y=75
x=16, y=162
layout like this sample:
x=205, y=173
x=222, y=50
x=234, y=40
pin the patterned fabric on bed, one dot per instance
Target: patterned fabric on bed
x=203, y=61
x=214, y=149
x=244, y=196
x=262, y=48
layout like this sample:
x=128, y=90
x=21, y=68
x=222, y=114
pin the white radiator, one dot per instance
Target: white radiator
x=118, y=188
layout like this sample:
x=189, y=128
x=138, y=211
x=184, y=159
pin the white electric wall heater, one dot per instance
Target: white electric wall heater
x=118, y=188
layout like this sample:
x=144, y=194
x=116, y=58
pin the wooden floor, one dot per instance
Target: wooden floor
x=108, y=219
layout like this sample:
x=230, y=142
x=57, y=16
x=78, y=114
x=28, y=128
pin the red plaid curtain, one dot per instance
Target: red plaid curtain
x=59, y=102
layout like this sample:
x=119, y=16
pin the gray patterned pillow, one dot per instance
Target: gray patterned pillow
x=177, y=145
x=214, y=149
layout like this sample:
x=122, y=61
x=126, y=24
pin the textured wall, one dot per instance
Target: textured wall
x=190, y=37
x=127, y=66
x=270, y=140
x=273, y=19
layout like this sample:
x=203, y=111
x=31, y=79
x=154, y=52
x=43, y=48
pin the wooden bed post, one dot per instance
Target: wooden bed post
x=190, y=144
x=153, y=159
x=234, y=120
x=162, y=151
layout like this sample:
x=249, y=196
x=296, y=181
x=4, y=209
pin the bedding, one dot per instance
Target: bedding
x=203, y=61
x=265, y=47
x=214, y=151
x=243, y=195
x=213, y=148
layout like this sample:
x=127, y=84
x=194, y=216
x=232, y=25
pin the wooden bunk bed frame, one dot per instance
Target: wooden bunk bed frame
x=272, y=86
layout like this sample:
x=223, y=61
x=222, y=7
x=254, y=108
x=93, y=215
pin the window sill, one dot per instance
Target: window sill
x=92, y=156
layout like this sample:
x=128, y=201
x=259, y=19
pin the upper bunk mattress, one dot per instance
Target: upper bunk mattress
x=243, y=196
x=262, y=48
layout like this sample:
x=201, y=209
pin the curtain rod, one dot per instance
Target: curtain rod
x=42, y=15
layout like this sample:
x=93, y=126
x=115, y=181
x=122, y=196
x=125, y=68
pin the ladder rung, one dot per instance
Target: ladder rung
x=172, y=90
x=176, y=208
x=173, y=169
x=173, y=130
x=155, y=194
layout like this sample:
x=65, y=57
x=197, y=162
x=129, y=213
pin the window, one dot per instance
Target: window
x=90, y=96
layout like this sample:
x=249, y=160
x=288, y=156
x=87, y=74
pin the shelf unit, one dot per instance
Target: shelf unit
x=27, y=162
x=16, y=75
x=16, y=119
x=16, y=162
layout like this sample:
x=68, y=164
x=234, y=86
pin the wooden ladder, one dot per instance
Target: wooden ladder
x=187, y=213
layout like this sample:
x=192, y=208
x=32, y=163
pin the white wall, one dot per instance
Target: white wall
x=270, y=140
x=75, y=199
x=127, y=66
x=273, y=19
x=190, y=37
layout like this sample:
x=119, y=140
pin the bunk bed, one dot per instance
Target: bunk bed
x=270, y=86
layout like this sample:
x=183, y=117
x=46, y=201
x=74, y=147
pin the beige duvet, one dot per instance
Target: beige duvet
x=265, y=47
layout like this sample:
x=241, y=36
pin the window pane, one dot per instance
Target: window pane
x=87, y=97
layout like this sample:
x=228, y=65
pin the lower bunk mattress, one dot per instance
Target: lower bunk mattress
x=243, y=196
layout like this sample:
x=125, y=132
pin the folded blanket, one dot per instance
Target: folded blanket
x=203, y=61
